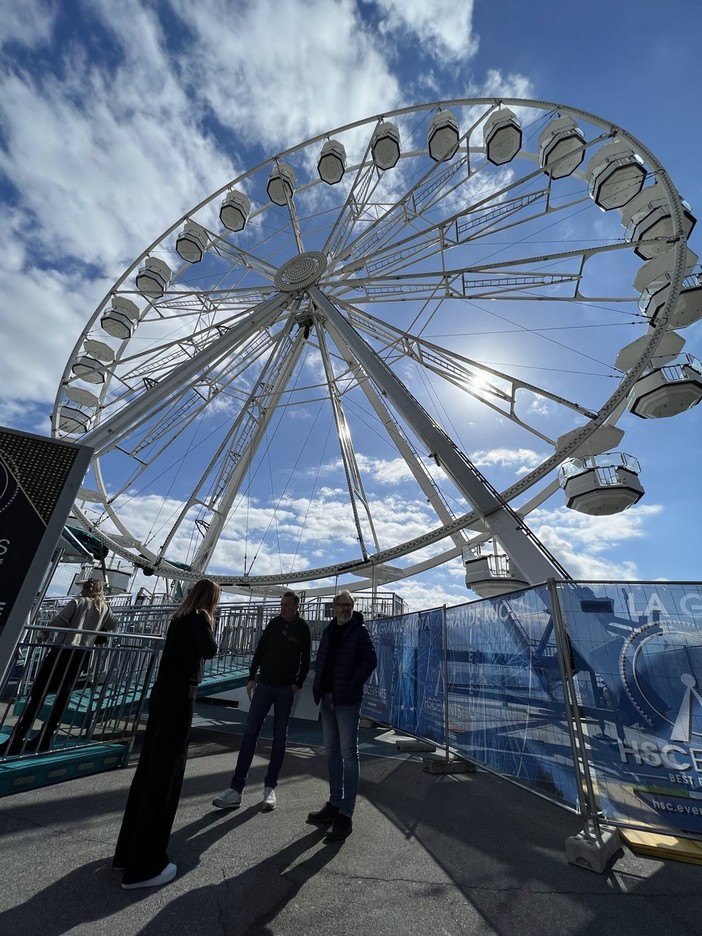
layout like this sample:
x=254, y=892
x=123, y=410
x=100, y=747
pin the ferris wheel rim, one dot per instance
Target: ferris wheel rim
x=540, y=472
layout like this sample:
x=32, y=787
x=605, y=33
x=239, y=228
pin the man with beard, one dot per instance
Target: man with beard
x=345, y=660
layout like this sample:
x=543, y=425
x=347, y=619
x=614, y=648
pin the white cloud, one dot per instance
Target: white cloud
x=284, y=72
x=443, y=27
x=519, y=460
x=28, y=24
x=112, y=156
x=511, y=85
x=591, y=547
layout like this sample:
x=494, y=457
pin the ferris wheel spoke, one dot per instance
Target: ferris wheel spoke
x=219, y=485
x=380, y=224
x=360, y=208
x=106, y=433
x=495, y=388
x=378, y=248
x=515, y=279
x=354, y=480
x=458, y=467
x=244, y=259
x=231, y=300
x=400, y=440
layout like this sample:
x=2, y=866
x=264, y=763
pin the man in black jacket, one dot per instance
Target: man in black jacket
x=345, y=660
x=283, y=657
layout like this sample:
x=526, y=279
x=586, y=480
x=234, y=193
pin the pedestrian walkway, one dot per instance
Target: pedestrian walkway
x=430, y=854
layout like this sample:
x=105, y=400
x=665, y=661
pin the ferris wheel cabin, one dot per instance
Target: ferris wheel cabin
x=600, y=485
x=502, y=136
x=442, y=136
x=192, y=242
x=154, y=278
x=119, y=320
x=649, y=224
x=615, y=175
x=561, y=145
x=491, y=573
x=234, y=211
x=385, y=145
x=331, y=165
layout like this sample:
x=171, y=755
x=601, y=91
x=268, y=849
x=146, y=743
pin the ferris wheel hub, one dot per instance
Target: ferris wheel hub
x=301, y=271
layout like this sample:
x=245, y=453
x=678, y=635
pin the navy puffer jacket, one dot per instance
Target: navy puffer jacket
x=355, y=661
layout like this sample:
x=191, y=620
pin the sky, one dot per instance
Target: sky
x=116, y=120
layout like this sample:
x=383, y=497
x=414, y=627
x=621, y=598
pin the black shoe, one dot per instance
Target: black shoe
x=342, y=828
x=325, y=816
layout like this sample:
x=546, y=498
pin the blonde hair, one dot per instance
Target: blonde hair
x=203, y=596
x=93, y=588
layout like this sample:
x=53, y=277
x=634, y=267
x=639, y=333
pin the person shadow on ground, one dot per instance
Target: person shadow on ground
x=91, y=893
x=247, y=902
x=84, y=895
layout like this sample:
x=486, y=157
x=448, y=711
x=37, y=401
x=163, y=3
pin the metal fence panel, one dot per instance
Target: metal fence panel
x=483, y=679
x=637, y=649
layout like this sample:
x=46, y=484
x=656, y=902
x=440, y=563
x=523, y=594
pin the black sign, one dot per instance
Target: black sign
x=39, y=479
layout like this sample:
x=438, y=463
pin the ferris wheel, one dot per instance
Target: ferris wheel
x=382, y=348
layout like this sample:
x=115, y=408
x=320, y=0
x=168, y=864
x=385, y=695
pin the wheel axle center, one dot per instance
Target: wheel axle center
x=300, y=272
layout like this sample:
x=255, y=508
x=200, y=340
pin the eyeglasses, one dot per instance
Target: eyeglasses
x=343, y=604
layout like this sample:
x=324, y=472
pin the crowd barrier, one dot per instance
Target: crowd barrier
x=586, y=693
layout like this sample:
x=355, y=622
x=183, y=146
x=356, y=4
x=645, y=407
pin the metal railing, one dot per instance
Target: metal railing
x=56, y=697
x=83, y=696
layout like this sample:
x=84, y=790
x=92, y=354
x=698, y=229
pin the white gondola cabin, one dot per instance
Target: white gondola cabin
x=72, y=419
x=502, y=136
x=332, y=162
x=442, y=136
x=385, y=145
x=234, y=211
x=154, y=278
x=491, y=573
x=667, y=391
x=88, y=368
x=192, y=242
x=120, y=319
x=561, y=147
x=615, y=174
x=281, y=184
x=649, y=224
x=600, y=485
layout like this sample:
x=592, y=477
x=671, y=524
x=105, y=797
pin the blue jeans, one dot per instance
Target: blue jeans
x=281, y=698
x=340, y=731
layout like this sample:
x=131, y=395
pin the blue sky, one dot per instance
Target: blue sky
x=117, y=119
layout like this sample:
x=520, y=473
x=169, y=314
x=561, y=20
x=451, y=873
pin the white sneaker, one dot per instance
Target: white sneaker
x=165, y=877
x=269, y=802
x=230, y=799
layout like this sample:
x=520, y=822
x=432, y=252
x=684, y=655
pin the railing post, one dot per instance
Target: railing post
x=444, y=676
x=596, y=844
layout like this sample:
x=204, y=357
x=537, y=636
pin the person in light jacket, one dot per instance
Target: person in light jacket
x=345, y=660
x=60, y=668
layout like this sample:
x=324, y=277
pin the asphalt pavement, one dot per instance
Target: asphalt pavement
x=451, y=854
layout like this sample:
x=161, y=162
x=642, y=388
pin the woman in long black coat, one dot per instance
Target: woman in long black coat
x=142, y=846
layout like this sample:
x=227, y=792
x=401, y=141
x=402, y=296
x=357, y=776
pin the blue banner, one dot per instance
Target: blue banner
x=502, y=706
x=638, y=650
x=485, y=679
